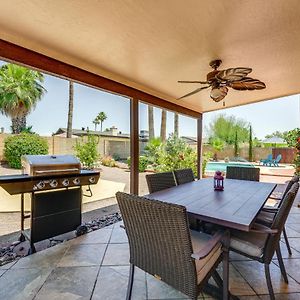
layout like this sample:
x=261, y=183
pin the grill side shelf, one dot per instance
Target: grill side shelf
x=17, y=184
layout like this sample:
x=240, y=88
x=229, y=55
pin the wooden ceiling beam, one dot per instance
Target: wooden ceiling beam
x=27, y=57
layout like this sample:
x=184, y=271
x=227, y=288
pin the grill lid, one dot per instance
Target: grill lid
x=45, y=160
x=50, y=164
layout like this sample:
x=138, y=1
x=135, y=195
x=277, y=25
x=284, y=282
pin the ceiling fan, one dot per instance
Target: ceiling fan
x=220, y=80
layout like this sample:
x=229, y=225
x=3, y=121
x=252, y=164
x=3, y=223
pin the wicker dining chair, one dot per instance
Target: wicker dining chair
x=266, y=216
x=162, y=245
x=243, y=173
x=160, y=181
x=262, y=241
x=184, y=176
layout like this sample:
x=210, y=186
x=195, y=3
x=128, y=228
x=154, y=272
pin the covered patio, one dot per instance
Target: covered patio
x=96, y=266
x=139, y=50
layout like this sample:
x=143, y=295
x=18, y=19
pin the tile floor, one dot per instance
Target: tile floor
x=95, y=266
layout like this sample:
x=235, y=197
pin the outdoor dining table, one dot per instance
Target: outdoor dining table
x=234, y=208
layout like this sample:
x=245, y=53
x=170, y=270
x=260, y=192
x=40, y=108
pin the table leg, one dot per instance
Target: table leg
x=22, y=237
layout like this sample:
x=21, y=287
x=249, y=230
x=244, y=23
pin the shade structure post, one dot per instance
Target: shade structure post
x=199, y=145
x=134, y=146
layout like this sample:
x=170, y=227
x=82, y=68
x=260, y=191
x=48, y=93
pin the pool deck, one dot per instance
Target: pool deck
x=284, y=170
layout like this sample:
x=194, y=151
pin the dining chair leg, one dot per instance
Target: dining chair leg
x=130, y=282
x=225, y=273
x=286, y=241
x=218, y=280
x=269, y=282
x=281, y=264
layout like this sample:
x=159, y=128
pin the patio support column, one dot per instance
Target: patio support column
x=134, y=146
x=199, y=146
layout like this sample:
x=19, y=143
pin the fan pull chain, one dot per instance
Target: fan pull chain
x=223, y=103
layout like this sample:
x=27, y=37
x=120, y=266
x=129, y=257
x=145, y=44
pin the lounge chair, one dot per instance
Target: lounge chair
x=266, y=160
x=275, y=161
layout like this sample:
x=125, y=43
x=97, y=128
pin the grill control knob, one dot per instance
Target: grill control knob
x=65, y=182
x=92, y=179
x=76, y=181
x=53, y=183
x=40, y=185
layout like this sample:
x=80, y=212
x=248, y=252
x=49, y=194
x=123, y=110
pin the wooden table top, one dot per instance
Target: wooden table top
x=236, y=207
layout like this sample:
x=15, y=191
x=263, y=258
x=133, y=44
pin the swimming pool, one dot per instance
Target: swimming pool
x=221, y=166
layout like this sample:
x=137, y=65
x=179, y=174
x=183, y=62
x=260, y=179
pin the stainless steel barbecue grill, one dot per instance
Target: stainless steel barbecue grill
x=55, y=184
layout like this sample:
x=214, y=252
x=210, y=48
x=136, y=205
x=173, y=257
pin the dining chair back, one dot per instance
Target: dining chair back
x=160, y=181
x=184, y=176
x=262, y=241
x=279, y=221
x=161, y=244
x=243, y=173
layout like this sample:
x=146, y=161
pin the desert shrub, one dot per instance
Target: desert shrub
x=116, y=156
x=143, y=163
x=176, y=154
x=86, y=151
x=17, y=145
x=108, y=161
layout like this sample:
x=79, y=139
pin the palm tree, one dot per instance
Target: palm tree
x=101, y=117
x=163, y=128
x=20, y=90
x=176, y=124
x=150, y=122
x=70, y=113
x=96, y=122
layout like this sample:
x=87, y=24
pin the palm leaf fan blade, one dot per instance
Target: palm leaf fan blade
x=233, y=74
x=194, y=92
x=247, y=83
x=193, y=81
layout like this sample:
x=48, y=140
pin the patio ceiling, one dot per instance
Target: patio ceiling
x=149, y=45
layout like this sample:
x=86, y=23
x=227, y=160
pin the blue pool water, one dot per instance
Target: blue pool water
x=221, y=166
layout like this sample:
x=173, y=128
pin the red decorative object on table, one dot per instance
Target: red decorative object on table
x=218, y=181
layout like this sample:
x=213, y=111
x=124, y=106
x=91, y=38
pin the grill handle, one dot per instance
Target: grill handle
x=55, y=171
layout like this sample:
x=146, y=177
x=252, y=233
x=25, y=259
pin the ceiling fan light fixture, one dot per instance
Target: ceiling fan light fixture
x=218, y=94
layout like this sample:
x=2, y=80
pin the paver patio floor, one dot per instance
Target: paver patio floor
x=95, y=266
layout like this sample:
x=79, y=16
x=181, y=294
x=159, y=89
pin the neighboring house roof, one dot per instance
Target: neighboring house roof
x=64, y=134
x=193, y=140
x=79, y=132
x=274, y=140
x=189, y=139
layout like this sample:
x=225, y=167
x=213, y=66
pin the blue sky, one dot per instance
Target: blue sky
x=51, y=113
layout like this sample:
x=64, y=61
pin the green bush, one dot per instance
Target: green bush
x=176, y=154
x=86, y=151
x=143, y=163
x=17, y=145
x=293, y=139
x=151, y=150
